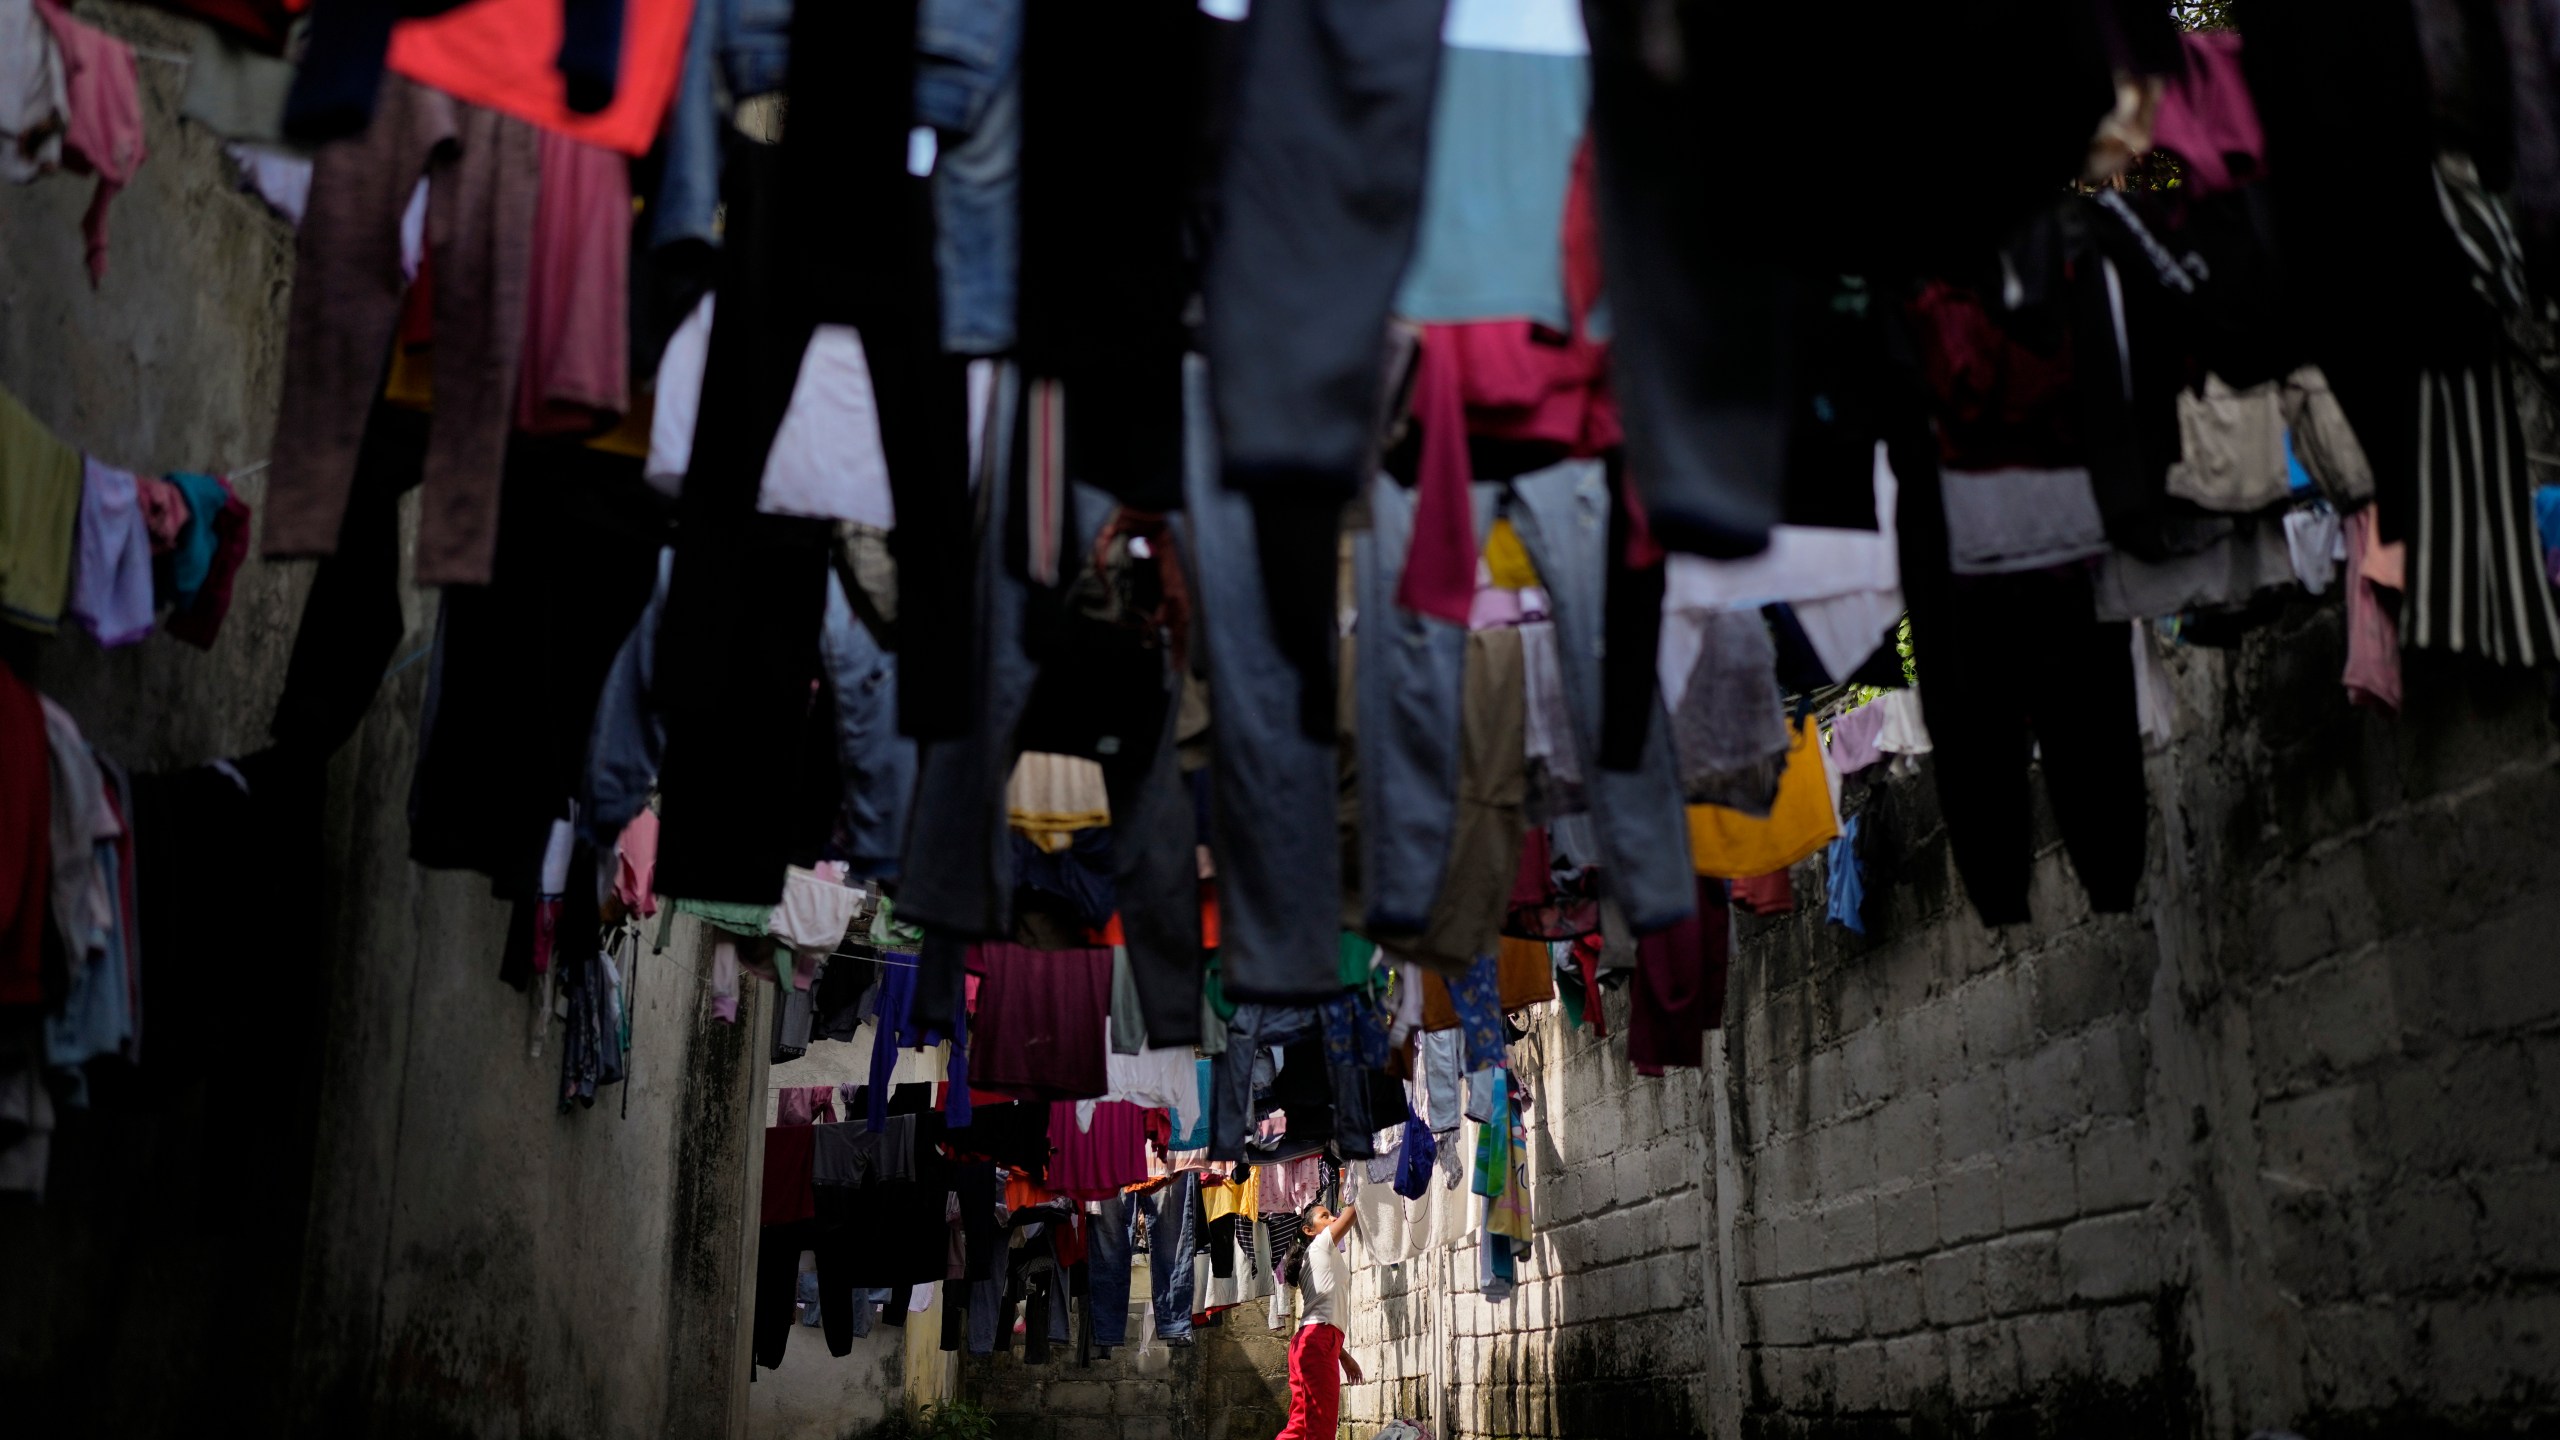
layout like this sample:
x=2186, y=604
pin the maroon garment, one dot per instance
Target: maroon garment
x=1770, y=894
x=1041, y=1029
x=483, y=175
x=1678, y=994
x=201, y=623
x=1097, y=1164
x=2000, y=400
x=26, y=842
x=789, y=1192
x=2207, y=117
x=260, y=24
x=573, y=377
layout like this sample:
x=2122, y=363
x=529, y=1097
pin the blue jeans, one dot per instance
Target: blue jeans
x=1172, y=1238
x=1107, y=1271
x=1562, y=514
x=969, y=89
x=742, y=47
x=1411, y=683
x=878, y=763
x=1272, y=787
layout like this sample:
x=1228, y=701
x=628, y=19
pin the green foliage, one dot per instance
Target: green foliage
x=950, y=1420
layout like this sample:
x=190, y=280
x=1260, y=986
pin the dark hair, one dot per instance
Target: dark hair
x=1294, y=1264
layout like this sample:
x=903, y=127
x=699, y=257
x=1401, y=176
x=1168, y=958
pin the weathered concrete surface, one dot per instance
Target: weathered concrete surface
x=2274, y=1151
x=1230, y=1383
x=341, y=1200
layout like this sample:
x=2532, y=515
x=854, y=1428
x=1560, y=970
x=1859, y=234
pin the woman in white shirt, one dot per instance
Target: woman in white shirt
x=1317, y=1364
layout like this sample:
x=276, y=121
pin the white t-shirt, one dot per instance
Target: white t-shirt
x=1321, y=1282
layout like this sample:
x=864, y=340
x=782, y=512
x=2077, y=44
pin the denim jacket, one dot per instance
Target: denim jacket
x=735, y=49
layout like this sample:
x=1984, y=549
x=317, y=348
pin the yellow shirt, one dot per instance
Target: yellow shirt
x=1734, y=846
x=1508, y=559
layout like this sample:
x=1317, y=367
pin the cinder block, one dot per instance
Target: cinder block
x=1951, y=1286
x=1077, y=1397
x=1867, y=1067
x=1969, y=1203
x=2116, y=1068
x=1839, y=1307
x=1982, y=1364
x=2315, y=1141
x=2520, y=1221
x=2111, y=1258
x=1845, y=1233
x=1894, y=1302
x=2035, y=1185
x=1906, y=1137
x=1973, y=1116
x=1780, y=1313
x=2052, y=1346
x=1995, y=1016
x=2426, y=1235
x=1914, y=1365
x=2045, y=1090
x=1906, y=1220
x=2125, y=1343
x=1858, y=1382
x=2112, y=1165
x=2020, y=1273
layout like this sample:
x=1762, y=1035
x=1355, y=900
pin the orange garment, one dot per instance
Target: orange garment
x=1524, y=974
x=1735, y=846
x=1021, y=1194
x=500, y=54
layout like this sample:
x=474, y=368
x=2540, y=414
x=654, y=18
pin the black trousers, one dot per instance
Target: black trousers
x=2008, y=665
x=1320, y=198
x=778, y=1250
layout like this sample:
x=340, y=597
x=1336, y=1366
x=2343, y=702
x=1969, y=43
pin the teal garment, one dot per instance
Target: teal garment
x=1198, y=1138
x=737, y=916
x=1358, y=957
x=1504, y=129
x=1213, y=985
x=192, y=561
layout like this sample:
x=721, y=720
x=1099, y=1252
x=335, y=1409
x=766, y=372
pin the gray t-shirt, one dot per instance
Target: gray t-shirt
x=1321, y=1283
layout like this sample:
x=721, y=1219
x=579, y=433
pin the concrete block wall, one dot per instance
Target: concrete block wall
x=1611, y=1328
x=338, y=1197
x=2274, y=1151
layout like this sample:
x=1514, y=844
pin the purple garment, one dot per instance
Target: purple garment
x=2207, y=118
x=894, y=1017
x=805, y=1104
x=111, y=557
x=889, y=1021
x=1853, y=739
x=1415, y=1159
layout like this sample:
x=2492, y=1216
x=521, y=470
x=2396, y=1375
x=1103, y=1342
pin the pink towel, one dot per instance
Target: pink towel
x=104, y=135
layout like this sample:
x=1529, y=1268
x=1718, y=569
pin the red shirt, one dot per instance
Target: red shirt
x=501, y=54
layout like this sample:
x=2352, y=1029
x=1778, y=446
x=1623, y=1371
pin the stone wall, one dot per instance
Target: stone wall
x=2275, y=1151
x=337, y=1198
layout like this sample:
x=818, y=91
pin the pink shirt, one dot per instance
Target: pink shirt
x=104, y=135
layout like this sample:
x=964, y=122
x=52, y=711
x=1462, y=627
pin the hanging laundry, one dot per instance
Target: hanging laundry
x=1679, y=989
x=1844, y=881
x=1043, y=1021
x=2232, y=448
x=2311, y=539
x=111, y=565
x=1770, y=894
x=26, y=846
x=103, y=130
x=1729, y=725
x=1051, y=797
x=1733, y=845
x=1854, y=736
x=198, y=621
x=35, y=103
x=483, y=177
x=826, y=460
x=573, y=375
x=2206, y=118
x=39, y=515
x=2372, y=676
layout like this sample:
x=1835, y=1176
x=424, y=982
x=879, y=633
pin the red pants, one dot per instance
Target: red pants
x=1315, y=1383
